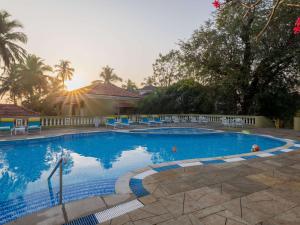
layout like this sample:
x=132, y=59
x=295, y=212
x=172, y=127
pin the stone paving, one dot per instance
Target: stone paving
x=262, y=191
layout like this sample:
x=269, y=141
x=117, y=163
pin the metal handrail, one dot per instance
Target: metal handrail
x=60, y=165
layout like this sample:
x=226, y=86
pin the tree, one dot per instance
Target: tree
x=64, y=71
x=10, y=84
x=130, y=86
x=108, y=75
x=243, y=73
x=250, y=6
x=148, y=81
x=10, y=40
x=34, y=79
x=167, y=69
x=185, y=96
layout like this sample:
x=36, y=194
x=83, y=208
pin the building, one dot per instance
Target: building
x=146, y=90
x=98, y=99
x=19, y=113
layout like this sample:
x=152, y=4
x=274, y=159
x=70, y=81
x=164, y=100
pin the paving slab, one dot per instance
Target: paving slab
x=84, y=207
x=52, y=216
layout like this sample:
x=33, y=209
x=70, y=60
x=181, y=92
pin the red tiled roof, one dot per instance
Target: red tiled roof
x=106, y=89
x=11, y=110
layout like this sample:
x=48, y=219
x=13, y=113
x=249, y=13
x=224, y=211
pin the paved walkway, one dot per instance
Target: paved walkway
x=264, y=191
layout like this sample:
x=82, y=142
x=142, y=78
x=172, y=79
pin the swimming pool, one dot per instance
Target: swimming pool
x=96, y=160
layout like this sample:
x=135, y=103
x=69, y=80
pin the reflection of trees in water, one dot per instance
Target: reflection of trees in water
x=106, y=153
x=23, y=164
x=21, y=167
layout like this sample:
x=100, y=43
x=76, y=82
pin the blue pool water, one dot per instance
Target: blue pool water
x=96, y=160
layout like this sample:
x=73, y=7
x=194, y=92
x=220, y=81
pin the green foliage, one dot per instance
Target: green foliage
x=244, y=74
x=186, y=96
x=10, y=40
x=108, y=75
x=130, y=86
x=64, y=70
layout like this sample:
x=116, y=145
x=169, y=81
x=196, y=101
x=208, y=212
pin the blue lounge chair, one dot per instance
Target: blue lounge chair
x=157, y=120
x=7, y=125
x=124, y=121
x=145, y=120
x=111, y=121
x=34, y=124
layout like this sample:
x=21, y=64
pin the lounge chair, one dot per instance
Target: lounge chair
x=167, y=119
x=176, y=119
x=238, y=122
x=225, y=122
x=203, y=120
x=124, y=121
x=156, y=120
x=7, y=125
x=194, y=120
x=111, y=121
x=145, y=120
x=34, y=124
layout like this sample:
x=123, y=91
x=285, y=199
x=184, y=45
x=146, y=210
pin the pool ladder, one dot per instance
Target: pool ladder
x=60, y=166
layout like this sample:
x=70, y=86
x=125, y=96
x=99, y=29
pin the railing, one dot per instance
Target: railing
x=54, y=121
x=254, y=121
x=60, y=165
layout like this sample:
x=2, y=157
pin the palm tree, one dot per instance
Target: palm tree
x=130, y=86
x=64, y=71
x=34, y=78
x=10, y=84
x=10, y=50
x=108, y=75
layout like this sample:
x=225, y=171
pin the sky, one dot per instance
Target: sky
x=127, y=35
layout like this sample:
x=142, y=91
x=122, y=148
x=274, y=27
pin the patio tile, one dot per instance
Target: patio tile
x=154, y=220
x=120, y=220
x=288, y=190
x=290, y=217
x=112, y=200
x=223, y=217
x=202, y=198
x=182, y=220
x=267, y=179
x=245, y=185
x=84, y=207
x=52, y=216
x=258, y=206
x=173, y=203
x=173, y=188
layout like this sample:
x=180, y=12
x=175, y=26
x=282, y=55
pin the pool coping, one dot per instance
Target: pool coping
x=131, y=182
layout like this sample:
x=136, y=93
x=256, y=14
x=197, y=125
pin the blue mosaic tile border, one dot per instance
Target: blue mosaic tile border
x=136, y=182
x=21, y=206
x=136, y=185
x=165, y=168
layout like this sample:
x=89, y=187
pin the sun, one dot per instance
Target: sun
x=75, y=83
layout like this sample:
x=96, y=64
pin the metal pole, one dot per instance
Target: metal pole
x=60, y=181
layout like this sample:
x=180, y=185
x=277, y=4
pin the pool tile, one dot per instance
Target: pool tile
x=190, y=164
x=250, y=157
x=144, y=174
x=137, y=187
x=266, y=154
x=277, y=152
x=286, y=150
x=15, y=208
x=237, y=159
x=213, y=161
x=165, y=168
